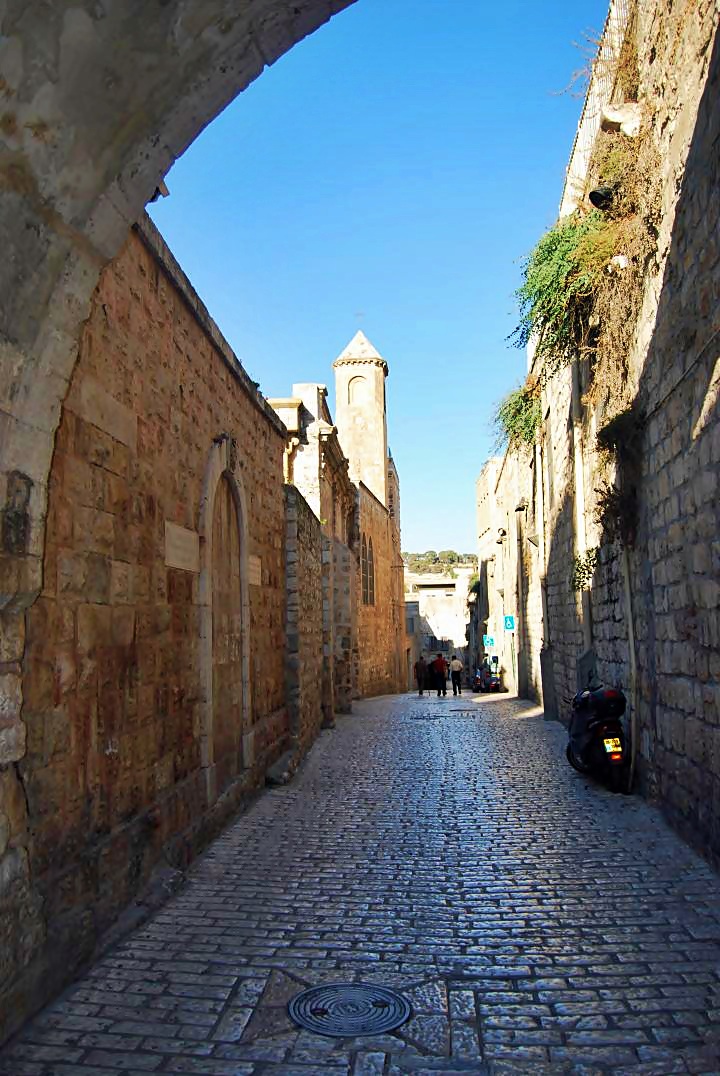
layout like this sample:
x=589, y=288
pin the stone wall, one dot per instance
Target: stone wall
x=675, y=570
x=564, y=632
x=167, y=464
x=316, y=465
x=305, y=657
x=649, y=621
x=381, y=663
x=343, y=605
x=511, y=568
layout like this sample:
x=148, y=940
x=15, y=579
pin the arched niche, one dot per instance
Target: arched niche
x=357, y=390
x=223, y=493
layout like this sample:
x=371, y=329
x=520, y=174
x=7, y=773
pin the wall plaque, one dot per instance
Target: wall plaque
x=254, y=571
x=96, y=405
x=182, y=548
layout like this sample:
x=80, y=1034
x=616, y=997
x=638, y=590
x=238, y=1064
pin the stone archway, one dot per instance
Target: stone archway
x=225, y=618
x=97, y=102
x=227, y=625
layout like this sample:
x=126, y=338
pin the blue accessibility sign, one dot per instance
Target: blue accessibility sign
x=509, y=623
x=488, y=640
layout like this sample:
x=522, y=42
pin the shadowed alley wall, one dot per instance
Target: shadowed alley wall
x=648, y=620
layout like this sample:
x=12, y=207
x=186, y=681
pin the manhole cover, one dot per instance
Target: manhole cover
x=347, y=1009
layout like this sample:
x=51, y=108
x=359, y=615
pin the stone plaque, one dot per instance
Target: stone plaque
x=182, y=548
x=96, y=405
x=254, y=571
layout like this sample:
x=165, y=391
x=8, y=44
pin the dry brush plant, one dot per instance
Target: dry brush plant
x=629, y=168
x=583, y=284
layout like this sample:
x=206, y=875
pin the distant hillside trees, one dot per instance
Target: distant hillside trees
x=442, y=562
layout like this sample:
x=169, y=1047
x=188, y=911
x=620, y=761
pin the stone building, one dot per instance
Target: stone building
x=634, y=598
x=201, y=614
x=316, y=466
x=346, y=474
x=361, y=418
x=442, y=609
x=153, y=671
x=510, y=545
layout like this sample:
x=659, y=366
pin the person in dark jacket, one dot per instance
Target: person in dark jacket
x=440, y=669
x=421, y=673
x=430, y=676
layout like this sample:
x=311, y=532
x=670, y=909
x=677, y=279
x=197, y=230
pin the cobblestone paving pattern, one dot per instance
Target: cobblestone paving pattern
x=537, y=923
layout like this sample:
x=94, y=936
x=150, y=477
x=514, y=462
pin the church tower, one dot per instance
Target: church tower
x=360, y=418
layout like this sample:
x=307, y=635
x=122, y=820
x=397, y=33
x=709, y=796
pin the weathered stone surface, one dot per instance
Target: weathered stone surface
x=12, y=805
x=380, y=652
x=305, y=658
x=96, y=406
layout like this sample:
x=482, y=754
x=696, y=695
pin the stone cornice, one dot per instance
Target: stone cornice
x=362, y=362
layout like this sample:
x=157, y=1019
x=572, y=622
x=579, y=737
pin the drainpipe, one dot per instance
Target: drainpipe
x=522, y=657
x=540, y=519
x=633, y=686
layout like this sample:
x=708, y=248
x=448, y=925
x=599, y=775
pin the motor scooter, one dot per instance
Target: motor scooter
x=596, y=743
x=487, y=677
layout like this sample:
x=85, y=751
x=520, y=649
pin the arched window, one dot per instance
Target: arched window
x=357, y=390
x=364, y=570
x=371, y=574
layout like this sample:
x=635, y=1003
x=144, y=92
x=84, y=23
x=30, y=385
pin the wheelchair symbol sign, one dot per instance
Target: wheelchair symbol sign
x=509, y=623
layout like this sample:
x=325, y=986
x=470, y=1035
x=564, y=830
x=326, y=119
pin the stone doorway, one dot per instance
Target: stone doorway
x=227, y=664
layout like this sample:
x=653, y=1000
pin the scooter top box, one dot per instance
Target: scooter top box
x=607, y=700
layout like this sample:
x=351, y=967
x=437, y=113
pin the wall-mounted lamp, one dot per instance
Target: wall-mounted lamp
x=602, y=197
x=522, y=505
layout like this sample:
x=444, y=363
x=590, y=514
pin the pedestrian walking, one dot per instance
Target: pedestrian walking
x=440, y=668
x=421, y=673
x=456, y=668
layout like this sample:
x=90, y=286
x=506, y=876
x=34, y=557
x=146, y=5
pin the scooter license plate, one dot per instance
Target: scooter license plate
x=612, y=744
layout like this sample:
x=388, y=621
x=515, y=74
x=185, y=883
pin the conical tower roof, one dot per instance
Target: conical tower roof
x=360, y=350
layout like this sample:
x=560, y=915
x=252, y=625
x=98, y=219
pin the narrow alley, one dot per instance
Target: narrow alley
x=535, y=922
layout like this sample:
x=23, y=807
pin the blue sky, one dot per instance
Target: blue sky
x=389, y=174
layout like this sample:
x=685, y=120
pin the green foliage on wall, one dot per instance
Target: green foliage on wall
x=518, y=416
x=559, y=279
x=584, y=569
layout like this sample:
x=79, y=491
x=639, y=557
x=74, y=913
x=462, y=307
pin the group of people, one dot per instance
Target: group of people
x=433, y=675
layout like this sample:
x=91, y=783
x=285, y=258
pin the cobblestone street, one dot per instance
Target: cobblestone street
x=536, y=922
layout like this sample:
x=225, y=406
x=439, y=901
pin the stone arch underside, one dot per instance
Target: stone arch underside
x=98, y=101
